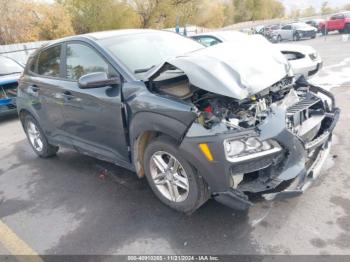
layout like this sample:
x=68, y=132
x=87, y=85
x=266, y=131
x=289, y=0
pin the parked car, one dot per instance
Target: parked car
x=294, y=32
x=316, y=22
x=10, y=72
x=266, y=31
x=338, y=22
x=303, y=59
x=225, y=121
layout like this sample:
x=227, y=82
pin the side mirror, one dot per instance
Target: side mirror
x=98, y=79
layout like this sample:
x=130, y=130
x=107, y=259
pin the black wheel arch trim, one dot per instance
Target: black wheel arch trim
x=150, y=121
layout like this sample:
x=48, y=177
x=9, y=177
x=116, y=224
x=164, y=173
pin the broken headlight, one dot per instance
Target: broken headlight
x=249, y=148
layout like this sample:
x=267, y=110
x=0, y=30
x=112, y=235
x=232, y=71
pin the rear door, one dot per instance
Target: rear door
x=93, y=117
x=43, y=84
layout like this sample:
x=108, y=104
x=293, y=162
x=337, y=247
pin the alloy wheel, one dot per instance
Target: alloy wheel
x=34, y=136
x=169, y=176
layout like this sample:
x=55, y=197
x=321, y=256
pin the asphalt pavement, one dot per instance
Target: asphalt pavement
x=74, y=204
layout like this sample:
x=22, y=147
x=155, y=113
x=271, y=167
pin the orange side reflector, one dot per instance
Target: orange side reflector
x=206, y=151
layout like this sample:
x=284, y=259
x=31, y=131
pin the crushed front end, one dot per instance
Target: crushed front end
x=256, y=130
x=273, y=143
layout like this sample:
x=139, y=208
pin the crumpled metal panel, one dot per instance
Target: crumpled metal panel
x=234, y=69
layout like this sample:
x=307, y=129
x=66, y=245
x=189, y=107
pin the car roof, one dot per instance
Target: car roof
x=103, y=35
x=114, y=33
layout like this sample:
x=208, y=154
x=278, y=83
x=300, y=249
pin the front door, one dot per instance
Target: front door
x=93, y=117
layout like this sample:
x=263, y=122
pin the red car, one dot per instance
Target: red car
x=339, y=21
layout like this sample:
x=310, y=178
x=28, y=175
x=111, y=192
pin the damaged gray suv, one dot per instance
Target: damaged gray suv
x=228, y=121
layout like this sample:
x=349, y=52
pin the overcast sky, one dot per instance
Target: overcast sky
x=316, y=3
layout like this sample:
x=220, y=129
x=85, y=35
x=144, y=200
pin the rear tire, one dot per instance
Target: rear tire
x=172, y=178
x=347, y=29
x=37, y=138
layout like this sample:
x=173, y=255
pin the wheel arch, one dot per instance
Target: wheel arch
x=144, y=127
x=23, y=112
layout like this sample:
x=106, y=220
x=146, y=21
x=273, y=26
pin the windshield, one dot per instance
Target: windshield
x=141, y=52
x=8, y=66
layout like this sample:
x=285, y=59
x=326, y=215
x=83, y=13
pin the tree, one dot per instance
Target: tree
x=37, y=21
x=326, y=9
x=165, y=13
x=210, y=14
x=248, y=10
x=53, y=21
x=295, y=13
x=14, y=28
x=310, y=11
x=146, y=10
x=229, y=13
x=90, y=15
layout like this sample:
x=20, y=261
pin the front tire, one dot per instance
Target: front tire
x=37, y=138
x=296, y=37
x=172, y=178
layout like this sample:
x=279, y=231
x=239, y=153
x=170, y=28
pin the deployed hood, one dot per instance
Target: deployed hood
x=234, y=69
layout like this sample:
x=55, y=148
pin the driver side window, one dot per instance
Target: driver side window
x=82, y=60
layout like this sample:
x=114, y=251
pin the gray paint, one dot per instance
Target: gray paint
x=234, y=69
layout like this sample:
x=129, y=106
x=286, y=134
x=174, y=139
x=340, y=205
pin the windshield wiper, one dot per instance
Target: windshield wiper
x=143, y=70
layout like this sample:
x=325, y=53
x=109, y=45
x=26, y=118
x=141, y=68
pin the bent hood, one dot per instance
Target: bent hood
x=234, y=69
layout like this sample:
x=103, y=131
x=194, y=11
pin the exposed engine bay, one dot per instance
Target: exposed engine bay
x=215, y=109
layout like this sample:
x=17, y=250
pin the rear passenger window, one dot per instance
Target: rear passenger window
x=82, y=60
x=49, y=62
